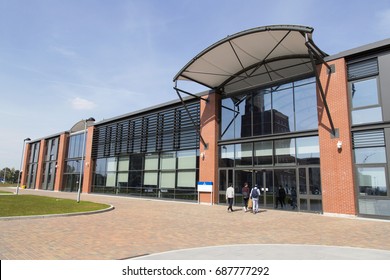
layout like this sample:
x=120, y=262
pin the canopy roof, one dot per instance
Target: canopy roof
x=254, y=57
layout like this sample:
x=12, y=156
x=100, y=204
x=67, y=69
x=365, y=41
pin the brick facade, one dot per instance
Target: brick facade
x=337, y=179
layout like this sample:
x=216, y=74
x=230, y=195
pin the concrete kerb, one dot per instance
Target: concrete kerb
x=58, y=215
x=110, y=208
x=270, y=252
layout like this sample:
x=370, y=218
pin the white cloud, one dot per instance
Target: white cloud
x=63, y=51
x=82, y=104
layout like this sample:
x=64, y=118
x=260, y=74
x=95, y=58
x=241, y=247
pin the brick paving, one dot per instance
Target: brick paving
x=139, y=227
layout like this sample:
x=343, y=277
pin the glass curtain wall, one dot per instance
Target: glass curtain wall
x=33, y=165
x=153, y=155
x=73, y=163
x=256, y=146
x=50, y=162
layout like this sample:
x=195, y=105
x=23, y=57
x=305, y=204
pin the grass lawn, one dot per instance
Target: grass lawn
x=27, y=205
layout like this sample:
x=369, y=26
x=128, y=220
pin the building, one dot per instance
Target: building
x=279, y=112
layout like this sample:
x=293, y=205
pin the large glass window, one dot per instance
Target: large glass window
x=372, y=181
x=281, y=109
x=306, y=106
x=243, y=154
x=285, y=151
x=263, y=153
x=283, y=113
x=308, y=150
x=365, y=101
x=226, y=156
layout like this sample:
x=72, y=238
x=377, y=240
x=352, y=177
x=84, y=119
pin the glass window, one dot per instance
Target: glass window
x=123, y=164
x=302, y=181
x=262, y=112
x=136, y=162
x=150, y=178
x=263, y=153
x=243, y=154
x=167, y=179
x=168, y=161
x=364, y=93
x=283, y=111
x=306, y=107
x=368, y=115
x=135, y=178
x=151, y=162
x=315, y=181
x=123, y=179
x=285, y=151
x=370, y=155
x=111, y=164
x=372, y=181
x=308, y=150
x=111, y=179
x=186, y=179
x=227, y=156
x=186, y=159
x=227, y=121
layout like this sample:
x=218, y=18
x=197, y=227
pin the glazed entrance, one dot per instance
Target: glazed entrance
x=292, y=189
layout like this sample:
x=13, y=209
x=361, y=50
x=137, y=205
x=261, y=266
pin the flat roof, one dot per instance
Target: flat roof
x=372, y=47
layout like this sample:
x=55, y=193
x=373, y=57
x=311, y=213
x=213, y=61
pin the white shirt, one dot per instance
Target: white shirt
x=230, y=192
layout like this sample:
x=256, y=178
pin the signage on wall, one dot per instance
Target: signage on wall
x=205, y=186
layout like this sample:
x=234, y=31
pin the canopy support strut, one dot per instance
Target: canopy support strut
x=189, y=114
x=313, y=52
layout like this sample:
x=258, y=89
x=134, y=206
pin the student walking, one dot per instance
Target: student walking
x=230, y=197
x=255, y=195
x=245, y=196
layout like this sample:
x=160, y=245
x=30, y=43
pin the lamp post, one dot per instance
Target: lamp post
x=82, y=157
x=21, y=162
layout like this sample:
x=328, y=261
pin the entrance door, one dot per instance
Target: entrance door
x=264, y=180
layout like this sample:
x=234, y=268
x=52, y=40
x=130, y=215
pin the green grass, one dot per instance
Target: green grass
x=27, y=205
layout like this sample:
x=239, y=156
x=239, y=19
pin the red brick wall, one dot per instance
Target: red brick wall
x=337, y=172
x=24, y=170
x=88, y=166
x=209, y=129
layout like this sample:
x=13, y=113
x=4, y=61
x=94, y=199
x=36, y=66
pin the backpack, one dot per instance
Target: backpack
x=255, y=193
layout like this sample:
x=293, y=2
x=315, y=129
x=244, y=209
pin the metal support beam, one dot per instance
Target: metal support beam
x=312, y=52
x=191, y=94
x=189, y=114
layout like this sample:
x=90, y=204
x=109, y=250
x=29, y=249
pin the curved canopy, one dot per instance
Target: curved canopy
x=253, y=57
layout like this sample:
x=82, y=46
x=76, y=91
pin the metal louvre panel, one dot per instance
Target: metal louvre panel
x=366, y=139
x=363, y=69
x=167, y=130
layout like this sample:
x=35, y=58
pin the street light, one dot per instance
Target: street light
x=21, y=162
x=82, y=157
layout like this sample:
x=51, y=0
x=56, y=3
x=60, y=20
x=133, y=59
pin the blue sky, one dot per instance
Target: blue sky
x=63, y=61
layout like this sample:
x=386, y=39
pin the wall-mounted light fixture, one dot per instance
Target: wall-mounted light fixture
x=339, y=145
x=202, y=155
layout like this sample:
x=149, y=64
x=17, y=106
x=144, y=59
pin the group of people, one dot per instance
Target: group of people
x=253, y=195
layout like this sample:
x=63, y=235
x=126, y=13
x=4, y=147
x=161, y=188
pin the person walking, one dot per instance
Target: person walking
x=293, y=198
x=245, y=196
x=230, y=197
x=255, y=194
x=281, y=197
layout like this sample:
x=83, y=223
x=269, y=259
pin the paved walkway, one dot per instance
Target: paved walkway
x=154, y=229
